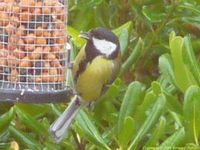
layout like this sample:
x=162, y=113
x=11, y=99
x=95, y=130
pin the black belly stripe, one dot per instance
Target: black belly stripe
x=91, y=53
x=82, y=67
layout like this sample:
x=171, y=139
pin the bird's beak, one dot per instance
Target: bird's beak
x=84, y=35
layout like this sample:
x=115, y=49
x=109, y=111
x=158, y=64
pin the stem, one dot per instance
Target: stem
x=194, y=128
x=79, y=145
x=158, y=30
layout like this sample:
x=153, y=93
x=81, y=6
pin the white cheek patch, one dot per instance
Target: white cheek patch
x=105, y=47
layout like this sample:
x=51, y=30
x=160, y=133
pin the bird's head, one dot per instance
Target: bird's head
x=101, y=41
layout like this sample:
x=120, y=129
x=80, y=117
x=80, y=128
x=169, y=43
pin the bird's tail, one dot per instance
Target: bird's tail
x=60, y=127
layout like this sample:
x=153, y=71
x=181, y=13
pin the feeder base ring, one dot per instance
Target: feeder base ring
x=34, y=97
x=28, y=95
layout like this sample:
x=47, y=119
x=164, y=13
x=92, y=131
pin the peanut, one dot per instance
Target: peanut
x=12, y=61
x=25, y=62
x=36, y=54
x=10, y=29
x=61, y=78
x=41, y=41
x=3, y=62
x=46, y=34
x=30, y=38
x=37, y=11
x=9, y=1
x=20, y=31
x=3, y=53
x=38, y=79
x=4, y=19
x=11, y=46
x=21, y=44
x=60, y=24
x=50, y=57
x=19, y=53
x=16, y=9
x=47, y=49
x=55, y=49
x=29, y=47
x=25, y=16
x=26, y=5
x=13, y=76
x=55, y=63
x=45, y=77
x=1, y=46
x=2, y=6
x=39, y=31
x=15, y=21
x=46, y=10
x=61, y=41
x=53, y=75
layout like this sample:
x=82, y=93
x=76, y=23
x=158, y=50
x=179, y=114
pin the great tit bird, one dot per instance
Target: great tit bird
x=95, y=68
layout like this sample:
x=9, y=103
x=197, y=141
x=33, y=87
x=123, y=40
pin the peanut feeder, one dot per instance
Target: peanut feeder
x=33, y=51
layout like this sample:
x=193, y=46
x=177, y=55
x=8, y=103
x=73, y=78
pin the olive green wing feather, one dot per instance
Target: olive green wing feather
x=80, y=58
x=115, y=71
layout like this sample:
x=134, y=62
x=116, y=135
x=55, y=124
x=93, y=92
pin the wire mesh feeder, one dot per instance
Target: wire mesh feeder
x=33, y=51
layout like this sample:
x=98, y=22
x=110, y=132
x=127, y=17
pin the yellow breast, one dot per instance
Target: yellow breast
x=90, y=82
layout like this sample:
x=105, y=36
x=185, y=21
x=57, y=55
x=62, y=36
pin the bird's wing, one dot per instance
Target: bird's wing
x=79, y=63
x=115, y=71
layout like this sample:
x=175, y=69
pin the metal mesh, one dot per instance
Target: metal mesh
x=33, y=44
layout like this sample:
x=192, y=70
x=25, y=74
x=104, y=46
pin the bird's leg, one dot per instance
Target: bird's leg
x=90, y=105
x=60, y=127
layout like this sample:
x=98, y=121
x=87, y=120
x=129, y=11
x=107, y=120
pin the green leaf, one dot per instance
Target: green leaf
x=166, y=68
x=144, y=107
x=177, y=118
x=26, y=140
x=113, y=90
x=5, y=107
x=6, y=119
x=191, y=113
x=195, y=44
x=150, y=122
x=158, y=132
x=183, y=76
x=156, y=87
x=191, y=146
x=174, y=140
x=173, y=103
x=75, y=35
x=191, y=8
x=134, y=56
x=124, y=40
x=133, y=97
x=52, y=146
x=90, y=131
x=127, y=132
x=5, y=146
x=31, y=123
x=191, y=22
x=190, y=60
x=128, y=26
x=106, y=101
x=153, y=17
x=35, y=110
x=172, y=35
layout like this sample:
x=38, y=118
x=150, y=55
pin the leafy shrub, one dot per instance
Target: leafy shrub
x=154, y=103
